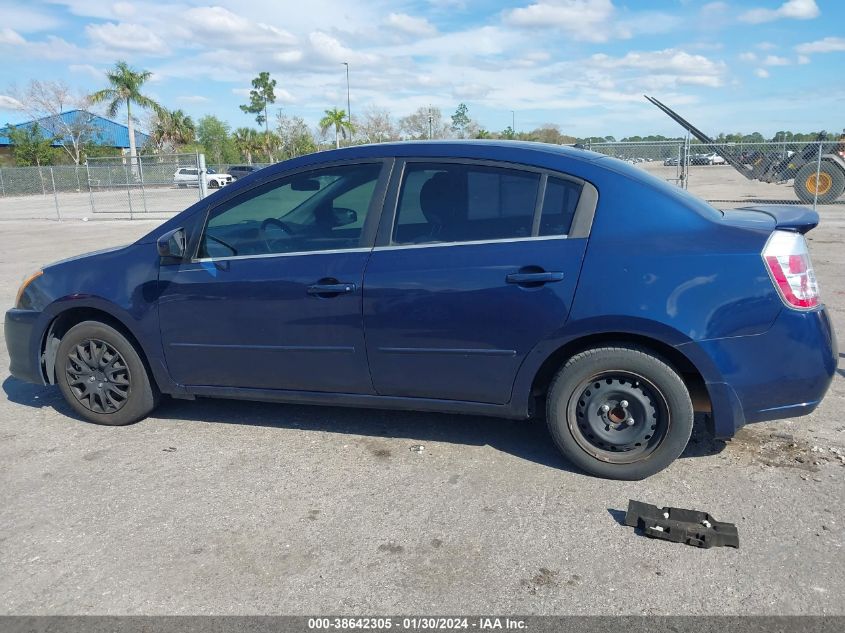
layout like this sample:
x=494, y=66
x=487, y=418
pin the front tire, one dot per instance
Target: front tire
x=102, y=376
x=619, y=412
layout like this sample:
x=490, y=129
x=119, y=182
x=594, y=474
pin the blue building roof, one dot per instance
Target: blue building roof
x=105, y=132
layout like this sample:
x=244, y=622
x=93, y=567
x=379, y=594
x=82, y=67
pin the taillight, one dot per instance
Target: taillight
x=789, y=265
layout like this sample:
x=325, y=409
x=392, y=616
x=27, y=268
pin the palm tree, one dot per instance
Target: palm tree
x=247, y=142
x=125, y=88
x=337, y=119
x=172, y=127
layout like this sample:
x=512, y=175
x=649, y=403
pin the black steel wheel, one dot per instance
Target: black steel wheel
x=621, y=417
x=619, y=412
x=102, y=376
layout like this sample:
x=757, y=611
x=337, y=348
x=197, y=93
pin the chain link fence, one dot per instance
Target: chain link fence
x=739, y=174
x=725, y=174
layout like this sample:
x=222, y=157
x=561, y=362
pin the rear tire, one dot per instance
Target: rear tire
x=619, y=412
x=830, y=184
x=102, y=376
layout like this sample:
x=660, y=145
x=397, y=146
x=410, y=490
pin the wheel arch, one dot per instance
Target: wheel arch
x=64, y=320
x=689, y=371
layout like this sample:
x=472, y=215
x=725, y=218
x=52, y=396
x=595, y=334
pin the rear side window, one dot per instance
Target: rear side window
x=559, y=204
x=443, y=202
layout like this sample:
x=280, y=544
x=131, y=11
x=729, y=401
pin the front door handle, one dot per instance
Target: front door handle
x=534, y=278
x=330, y=289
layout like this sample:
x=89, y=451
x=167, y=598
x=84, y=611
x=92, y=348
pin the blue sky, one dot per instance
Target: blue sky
x=728, y=65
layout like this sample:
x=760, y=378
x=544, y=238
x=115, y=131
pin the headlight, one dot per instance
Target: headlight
x=26, y=282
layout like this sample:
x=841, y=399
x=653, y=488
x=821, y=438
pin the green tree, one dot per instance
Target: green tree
x=337, y=119
x=30, y=145
x=173, y=129
x=460, y=120
x=125, y=89
x=294, y=136
x=213, y=135
x=260, y=97
x=248, y=142
x=508, y=133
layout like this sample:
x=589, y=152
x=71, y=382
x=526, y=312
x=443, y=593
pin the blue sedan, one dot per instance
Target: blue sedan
x=493, y=278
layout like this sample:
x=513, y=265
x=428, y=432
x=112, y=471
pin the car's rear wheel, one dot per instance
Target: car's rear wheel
x=213, y=184
x=102, y=376
x=619, y=412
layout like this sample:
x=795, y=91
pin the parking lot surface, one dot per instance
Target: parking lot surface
x=219, y=507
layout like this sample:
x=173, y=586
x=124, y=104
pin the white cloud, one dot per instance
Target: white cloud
x=410, y=24
x=775, y=60
x=765, y=46
x=192, y=99
x=582, y=19
x=288, y=57
x=126, y=36
x=762, y=73
x=8, y=36
x=748, y=56
x=794, y=9
x=826, y=45
x=123, y=9
x=803, y=59
x=87, y=69
x=220, y=27
x=669, y=66
x=10, y=103
x=330, y=49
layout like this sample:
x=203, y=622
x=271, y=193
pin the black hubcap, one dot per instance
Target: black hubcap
x=618, y=416
x=98, y=376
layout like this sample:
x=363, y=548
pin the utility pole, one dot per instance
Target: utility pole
x=348, y=102
x=430, y=134
x=513, y=122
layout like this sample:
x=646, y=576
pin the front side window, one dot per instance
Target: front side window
x=323, y=209
x=443, y=202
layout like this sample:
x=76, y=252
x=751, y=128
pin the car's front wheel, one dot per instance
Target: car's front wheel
x=619, y=412
x=102, y=376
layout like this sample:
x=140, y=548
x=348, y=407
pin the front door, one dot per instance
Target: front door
x=479, y=267
x=272, y=299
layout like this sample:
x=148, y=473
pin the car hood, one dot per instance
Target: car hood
x=103, y=251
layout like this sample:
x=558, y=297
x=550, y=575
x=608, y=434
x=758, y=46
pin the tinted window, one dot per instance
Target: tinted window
x=457, y=203
x=318, y=210
x=559, y=206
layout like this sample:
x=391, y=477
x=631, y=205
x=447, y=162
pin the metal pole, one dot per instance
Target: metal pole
x=513, y=122
x=2, y=186
x=201, y=173
x=818, y=174
x=430, y=133
x=55, y=195
x=90, y=190
x=128, y=192
x=143, y=190
x=348, y=102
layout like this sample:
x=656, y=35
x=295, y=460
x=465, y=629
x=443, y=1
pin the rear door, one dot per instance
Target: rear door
x=475, y=263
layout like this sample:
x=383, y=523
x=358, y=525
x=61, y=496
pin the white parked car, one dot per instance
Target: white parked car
x=189, y=177
x=714, y=159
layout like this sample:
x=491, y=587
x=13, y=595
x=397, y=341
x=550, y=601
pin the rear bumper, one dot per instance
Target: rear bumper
x=24, y=361
x=782, y=373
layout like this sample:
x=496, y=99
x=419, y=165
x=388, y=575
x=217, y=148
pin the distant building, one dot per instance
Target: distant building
x=105, y=131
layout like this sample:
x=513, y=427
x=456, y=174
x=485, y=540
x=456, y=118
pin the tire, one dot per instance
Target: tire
x=635, y=385
x=213, y=184
x=831, y=183
x=121, y=391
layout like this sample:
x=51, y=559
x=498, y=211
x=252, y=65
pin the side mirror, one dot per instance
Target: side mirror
x=342, y=217
x=172, y=244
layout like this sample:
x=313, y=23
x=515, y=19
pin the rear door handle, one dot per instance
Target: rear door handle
x=330, y=290
x=534, y=278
